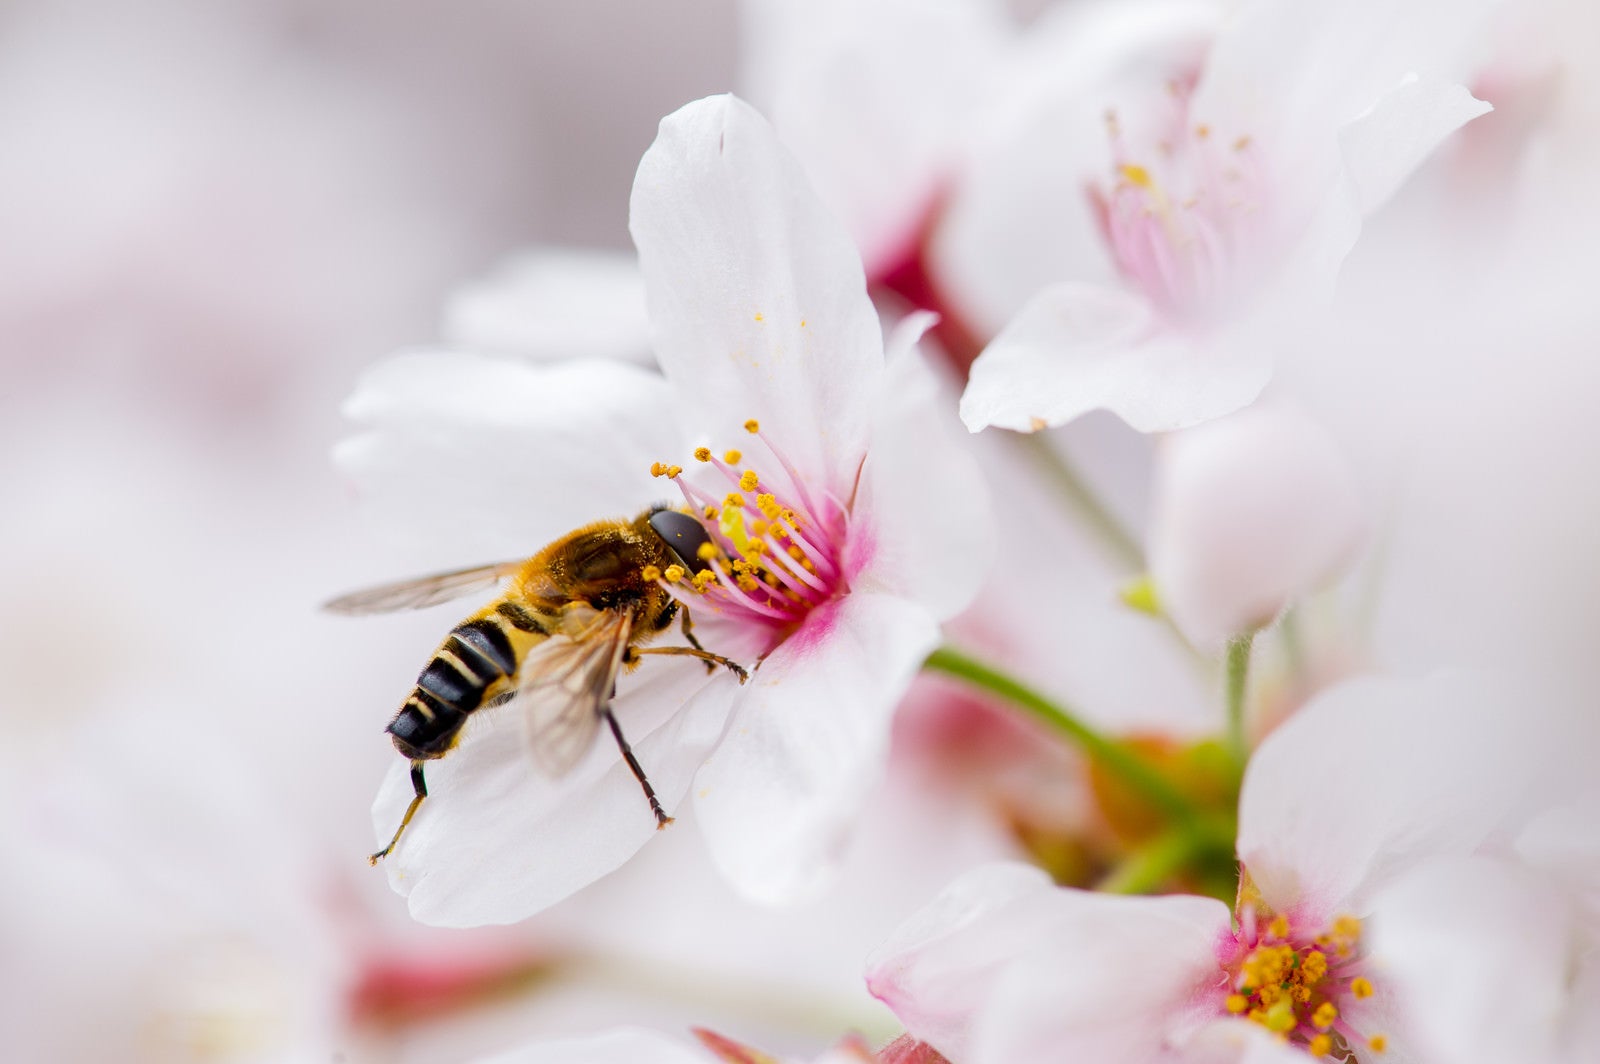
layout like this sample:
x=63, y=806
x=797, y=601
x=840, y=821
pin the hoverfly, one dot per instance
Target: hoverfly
x=572, y=618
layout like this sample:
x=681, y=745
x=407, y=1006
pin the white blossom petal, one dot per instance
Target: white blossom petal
x=1005, y=967
x=777, y=798
x=497, y=457
x=1376, y=775
x=923, y=500
x=496, y=841
x=1076, y=348
x=756, y=293
x=1249, y=513
x=626, y=1046
x=554, y=303
x=1112, y=978
x=1291, y=75
x=1480, y=953
x=874, y=98
x=1382, y=147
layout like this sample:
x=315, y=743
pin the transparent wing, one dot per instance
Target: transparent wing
x=422, y=591
x=566, y=681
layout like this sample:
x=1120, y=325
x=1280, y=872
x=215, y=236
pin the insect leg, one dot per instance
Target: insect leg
x=420, y=786
x=738, y=670
x=687, y=627
x=662, y=819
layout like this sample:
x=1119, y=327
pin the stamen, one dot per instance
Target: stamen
x=702, y=454
x=732, y=457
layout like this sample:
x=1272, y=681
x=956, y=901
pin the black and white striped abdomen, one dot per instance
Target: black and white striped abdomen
x=472, y=658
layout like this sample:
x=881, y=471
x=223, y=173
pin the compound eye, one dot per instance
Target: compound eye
x=684, y=535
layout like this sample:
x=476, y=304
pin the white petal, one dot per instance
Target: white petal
x=756, y=293
x=1376, y=775
x=1075, y=348
x=1112, y=978
x=1479, y=953
x=554, y=303
x=1249, y=513
x=935, y=971
x=1238, y=1042
x=808, y=741
x=1381, y=148
x=1002, y=966
x=495, y=457
x=495, y=841
x=1290, y=75
x=626, y=1046
x=921, y=519
x=874, y=98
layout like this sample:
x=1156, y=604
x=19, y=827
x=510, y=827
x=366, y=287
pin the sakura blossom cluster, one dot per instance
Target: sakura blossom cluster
x=1075, y=411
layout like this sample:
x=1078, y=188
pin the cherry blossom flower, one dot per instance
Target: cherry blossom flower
x=1250, y=513
x=1370, y=780
x=846, y=521
x=1226, y=211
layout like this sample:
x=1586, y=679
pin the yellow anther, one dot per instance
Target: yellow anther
x=758, y=317
x=1313, y=966
x=706, y=551
x=658, y=469
x=734, y=500
x=1279, y=928
x=759, y=528
x=704, y=579
x=790, y=516
x=702, y=454
x=673, y=573
x=1237, y=1003
x=1361, y=987
x=748, y=479
x=1136, y=175
x=1323, y=1018
x=767, y=503
x=732, y=456
x=747, y=583
x=672, y=471
x=1347, y=927
x=1280, y=1018
x=795, y=552
x=1320, y=1046
x=757, y=546
x=712, y=512
x=651, y=573
x=1378, y=1043
x=752, y=426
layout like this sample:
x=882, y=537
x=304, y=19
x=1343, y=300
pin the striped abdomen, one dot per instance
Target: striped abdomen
x=474, y=656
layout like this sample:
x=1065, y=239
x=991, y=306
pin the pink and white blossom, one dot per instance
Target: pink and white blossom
x=1372, y=779
x=1224, y=205
x=850, y=524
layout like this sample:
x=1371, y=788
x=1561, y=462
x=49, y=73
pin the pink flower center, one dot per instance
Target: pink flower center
x=1299, y=983
x=1183, y=218
x=775, y=550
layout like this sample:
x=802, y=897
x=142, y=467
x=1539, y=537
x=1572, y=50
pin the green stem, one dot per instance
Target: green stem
x=1238, y=679
x=1084, y=502
x=1114, y=757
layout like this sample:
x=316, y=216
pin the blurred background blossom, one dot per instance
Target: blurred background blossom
x=217, y=216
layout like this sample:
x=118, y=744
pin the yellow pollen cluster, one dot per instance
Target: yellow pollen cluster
x=752, y=426
x=732, y=457
x=748, y=479
x=702, y=454
x=1290, y=989
x=661, y=469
